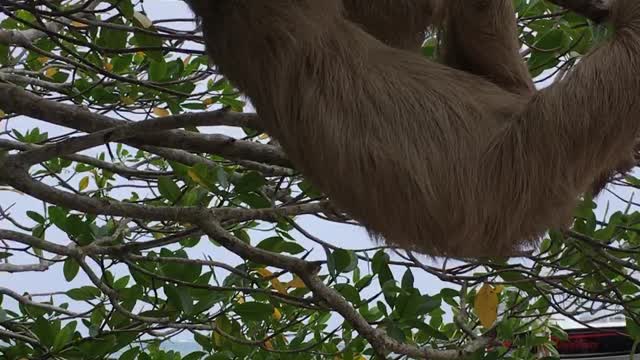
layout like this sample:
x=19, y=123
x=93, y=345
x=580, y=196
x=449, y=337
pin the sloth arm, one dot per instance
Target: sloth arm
x=480, y=36
x=571, y=132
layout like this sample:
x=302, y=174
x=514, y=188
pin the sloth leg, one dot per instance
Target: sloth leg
x=481, y=37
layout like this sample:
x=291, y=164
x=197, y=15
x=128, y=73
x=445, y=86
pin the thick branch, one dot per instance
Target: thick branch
x=121, y=170
x=596, y=10
x=25, y=37
x=16, y=100
x=18, y=178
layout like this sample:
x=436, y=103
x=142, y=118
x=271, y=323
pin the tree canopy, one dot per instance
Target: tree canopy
x=138, y=185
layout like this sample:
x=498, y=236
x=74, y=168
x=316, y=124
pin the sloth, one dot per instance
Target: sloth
x=460, y=157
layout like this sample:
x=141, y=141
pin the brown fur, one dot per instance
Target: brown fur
x=461, y=159
x=398, y=23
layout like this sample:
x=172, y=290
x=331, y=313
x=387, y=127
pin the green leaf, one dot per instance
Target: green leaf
x=84, y=293
x=407, y=280
x=111, y=38
x=121, y=63
x=36, y=217
x=223, y=355
x=449, y=296
x=125, y=6
x=429, y=330
x=345, y=260
x=349, y=292
x=633, y=329
x=169, y=189
x=64, y=336
x=70, y=269
x=408, y=306
x=428, y=304
x=149, y=41
x=58, y=217
x=157, y=70
x=255, y=200
x=130, y=354
x=196, y=355
x=45, y=330
x=180, y=297
x=184, y=272
x=254, y=311
x=380, y=266
x=251, y=181
x=204, y=341
x=279, y=245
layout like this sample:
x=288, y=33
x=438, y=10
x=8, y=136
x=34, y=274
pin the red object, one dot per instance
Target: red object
x=609, y=341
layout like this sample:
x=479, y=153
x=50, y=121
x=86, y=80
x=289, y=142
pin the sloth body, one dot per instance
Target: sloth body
x=462, y=158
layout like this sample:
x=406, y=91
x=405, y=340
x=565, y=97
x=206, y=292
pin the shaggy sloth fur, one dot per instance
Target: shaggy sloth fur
x=456, y=158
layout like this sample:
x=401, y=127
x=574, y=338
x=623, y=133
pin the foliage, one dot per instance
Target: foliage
x=165, y=225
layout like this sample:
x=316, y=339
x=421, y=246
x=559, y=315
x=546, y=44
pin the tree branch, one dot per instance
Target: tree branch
x=27, y=301
x=596, y=10
x=307, y=271
x=16, y=100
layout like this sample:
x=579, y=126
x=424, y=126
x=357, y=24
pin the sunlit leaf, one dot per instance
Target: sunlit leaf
x=486, y=305
x=51, y=72
x=160, y=112
x=83, y=184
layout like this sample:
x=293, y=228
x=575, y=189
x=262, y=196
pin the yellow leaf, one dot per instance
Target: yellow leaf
x=84, y=183
x=240, y=299
x=279, y=286
x=209, y=101
x=277, y=315
x=217, y=339
x=78, y=24
x=486, y=305
x=360, y=357
x=263, y=136
x=275, y=283
x=265, y=273
x=195, y=177
x=127, y=100
x=108, y=66
x=42, y=59
x=51, y=72
x=268, y=345
x=296, y=283
x=160, y=112
x=142, y=19
x=2, y=113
